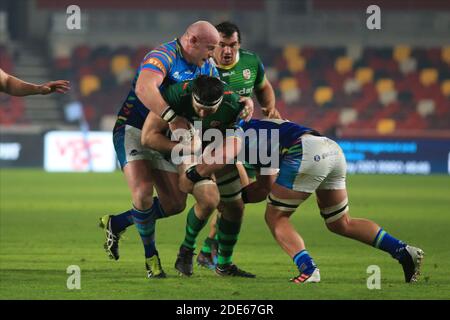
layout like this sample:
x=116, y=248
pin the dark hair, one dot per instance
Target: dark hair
x=228, y=28
x=207, y=90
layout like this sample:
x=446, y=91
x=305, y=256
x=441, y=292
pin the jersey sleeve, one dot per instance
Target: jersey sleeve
x=234, y=100
x=260, y=74
x=213, y=72
x=172, y=95
x=159, y=60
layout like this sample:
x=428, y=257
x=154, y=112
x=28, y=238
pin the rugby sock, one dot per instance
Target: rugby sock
x=122, y=221
x=193, y=226
x=158, y=211
x=228, y=232
x=304, y=262
x=146, y=227
x=388, y=243
x=207, y=245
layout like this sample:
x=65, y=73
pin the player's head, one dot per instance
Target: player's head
x=230, y=41
x=199, y=42
x=207, y=95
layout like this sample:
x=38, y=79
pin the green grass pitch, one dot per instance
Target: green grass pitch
x=49, y=222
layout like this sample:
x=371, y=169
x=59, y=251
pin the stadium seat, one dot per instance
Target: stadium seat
x=408, y=65
x=384, y=85
x=291, y=52
x=288, y=84
x=401, y=53
x=347, y=116
x=446, y=54
x=343, y=65
x=119, y=63
x=428, y=76
x=385, y=126
x=89, y=84
x=323, y=95
x=364, y=75
x=425, y=107
x=296, y=64
x=445, y=88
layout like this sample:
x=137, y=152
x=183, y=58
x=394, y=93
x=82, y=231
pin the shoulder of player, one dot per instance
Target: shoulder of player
x=231, y=100
x=248, y=54
x=168, y=49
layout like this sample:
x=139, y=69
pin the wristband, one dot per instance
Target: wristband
x=194, y=176
x=168, y=115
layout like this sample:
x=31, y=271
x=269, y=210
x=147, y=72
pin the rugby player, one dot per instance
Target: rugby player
x=308, y=162
x=244, y=72
x=16, y=87
x=173, y=62
x=181, y=59
x=205, y=99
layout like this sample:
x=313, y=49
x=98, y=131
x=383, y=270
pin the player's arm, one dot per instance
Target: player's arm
x=221, y=156
x=258, y=190
x=245, y=103
x=16, y=87
x=212, y=161
x=147, y=90
x=264, y=93
x=266, y=98
x=153, y=134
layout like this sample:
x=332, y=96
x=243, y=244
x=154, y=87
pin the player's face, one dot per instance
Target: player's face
x=226, y=53
x=203, y=50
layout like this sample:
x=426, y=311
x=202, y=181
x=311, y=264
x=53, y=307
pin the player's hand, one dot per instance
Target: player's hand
x=272, y=113
x=246, y=113
x=60, y=86
x=179, y=123
x=185, y=184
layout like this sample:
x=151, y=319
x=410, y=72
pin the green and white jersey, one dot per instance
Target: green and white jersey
x=179, y=98
x=246, y=74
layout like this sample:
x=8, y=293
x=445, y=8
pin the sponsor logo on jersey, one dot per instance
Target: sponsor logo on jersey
x=176, y=75
x=135, y=152
x=245, y=91
x=156, y=63
x=247, y=74
x=227, y=74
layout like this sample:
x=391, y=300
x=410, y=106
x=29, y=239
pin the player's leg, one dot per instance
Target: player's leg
x=332, y=200
x=207, y=198
x=145, y=212
x=282, y=203
x=300, y=174
x=143, y=167
x=229, y=221
x=207, y=256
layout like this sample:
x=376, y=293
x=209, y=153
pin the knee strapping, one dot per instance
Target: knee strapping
x=334, y=213
x=283, y=204
x=230, y=187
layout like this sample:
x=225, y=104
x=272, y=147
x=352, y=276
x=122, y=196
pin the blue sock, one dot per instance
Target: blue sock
x=304, y=262
x=158, y=211
x=388, y=243
x=121, y=221
x=145, y=225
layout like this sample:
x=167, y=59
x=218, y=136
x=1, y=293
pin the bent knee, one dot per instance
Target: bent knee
x=339, y=226
x=142, y=196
